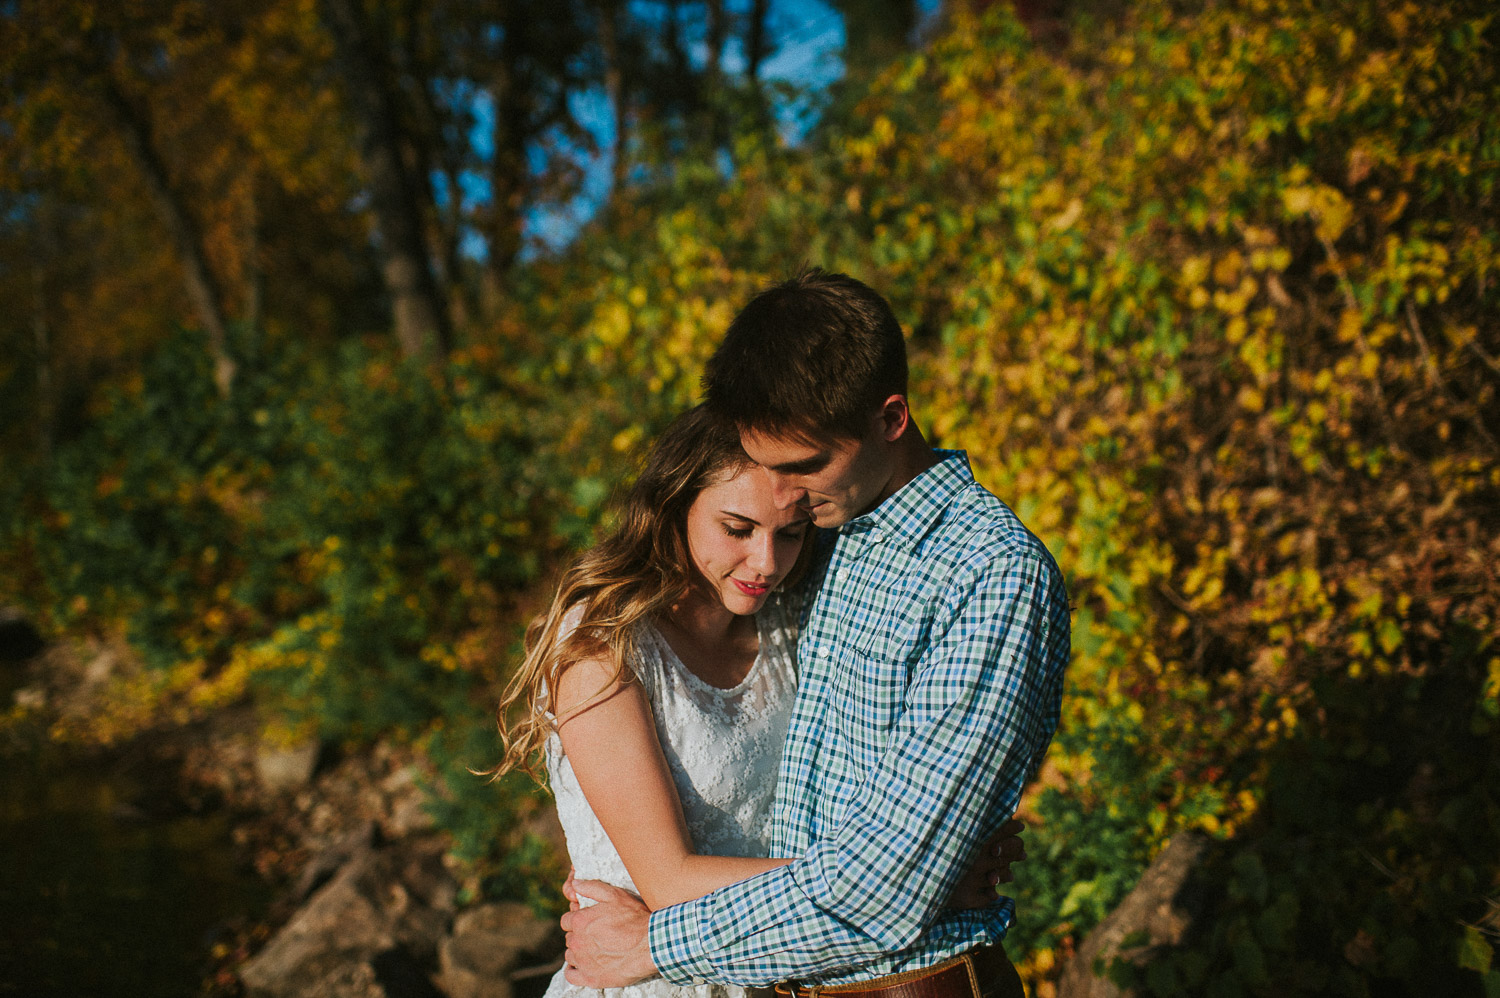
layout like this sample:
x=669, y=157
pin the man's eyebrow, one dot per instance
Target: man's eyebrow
x=800, y=467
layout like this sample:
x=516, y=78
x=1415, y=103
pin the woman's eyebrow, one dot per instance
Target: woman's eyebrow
x=739, y=516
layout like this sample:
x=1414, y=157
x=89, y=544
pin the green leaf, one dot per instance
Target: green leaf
x=1475, y=952
x=1076, y=896
x=1389, y=636
x=1250, y=961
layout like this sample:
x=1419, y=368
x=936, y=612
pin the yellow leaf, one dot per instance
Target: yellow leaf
x=1349, y=326
x=1298, y=200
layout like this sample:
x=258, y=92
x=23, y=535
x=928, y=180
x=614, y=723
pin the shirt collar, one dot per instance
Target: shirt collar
x=907, y=516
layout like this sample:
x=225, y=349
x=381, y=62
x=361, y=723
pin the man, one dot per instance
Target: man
x=931, y=662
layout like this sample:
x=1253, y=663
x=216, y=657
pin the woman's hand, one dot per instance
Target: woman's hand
x=990, y=868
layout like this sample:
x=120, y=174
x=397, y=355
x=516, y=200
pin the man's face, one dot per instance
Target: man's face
x=833, y=479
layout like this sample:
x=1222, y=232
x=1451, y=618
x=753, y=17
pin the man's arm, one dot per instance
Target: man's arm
x=979, y=712
x=607, y=942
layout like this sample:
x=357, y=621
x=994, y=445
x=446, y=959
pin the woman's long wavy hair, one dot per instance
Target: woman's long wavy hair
x=640, y=569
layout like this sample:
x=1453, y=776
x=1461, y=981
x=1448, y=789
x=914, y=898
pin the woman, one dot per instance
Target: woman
x=661, y=679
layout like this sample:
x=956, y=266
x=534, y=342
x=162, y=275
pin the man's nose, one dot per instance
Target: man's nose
x=784, y=493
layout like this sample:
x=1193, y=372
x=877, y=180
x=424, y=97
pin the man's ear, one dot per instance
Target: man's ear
x=894, y=418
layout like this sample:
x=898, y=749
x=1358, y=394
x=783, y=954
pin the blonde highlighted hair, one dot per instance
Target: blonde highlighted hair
x=641, y=569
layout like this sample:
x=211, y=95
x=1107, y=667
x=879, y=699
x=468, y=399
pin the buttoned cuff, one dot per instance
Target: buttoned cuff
x=676, y=945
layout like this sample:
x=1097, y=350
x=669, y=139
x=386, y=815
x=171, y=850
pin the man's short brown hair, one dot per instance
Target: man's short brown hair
x=812, y=356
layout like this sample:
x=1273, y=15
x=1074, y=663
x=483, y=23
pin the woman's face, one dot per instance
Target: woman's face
x=740, y=542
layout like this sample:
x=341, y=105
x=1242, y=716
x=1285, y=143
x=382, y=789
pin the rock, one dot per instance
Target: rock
x=282, y=769
x=328, y=861
x=407, y=803
x=424, y=872
x=391, y=973
x=30, y=698
x=101, y=667
x=1161, y=909
x=409, y=816
x=399, y=779
x=489, y=943
x=373, y=924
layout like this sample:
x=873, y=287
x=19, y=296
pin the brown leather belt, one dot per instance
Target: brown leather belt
x=968, y=975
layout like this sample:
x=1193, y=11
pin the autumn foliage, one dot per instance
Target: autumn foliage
x=1209, y=297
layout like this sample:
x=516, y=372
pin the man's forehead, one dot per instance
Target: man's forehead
x=771, y=449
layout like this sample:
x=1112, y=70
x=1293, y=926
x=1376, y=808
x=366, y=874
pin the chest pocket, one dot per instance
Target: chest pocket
x=872, y=671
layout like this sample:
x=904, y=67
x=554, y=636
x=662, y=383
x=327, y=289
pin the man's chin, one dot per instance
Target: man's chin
x=825, y=514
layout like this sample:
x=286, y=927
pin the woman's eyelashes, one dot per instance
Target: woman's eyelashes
x=739, y=532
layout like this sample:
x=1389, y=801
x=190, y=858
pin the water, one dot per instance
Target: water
x=110, y=884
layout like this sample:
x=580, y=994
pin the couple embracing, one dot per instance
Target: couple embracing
x=790, y=702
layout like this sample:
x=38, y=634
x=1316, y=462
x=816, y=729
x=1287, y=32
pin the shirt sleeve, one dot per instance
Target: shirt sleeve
x=981, y=708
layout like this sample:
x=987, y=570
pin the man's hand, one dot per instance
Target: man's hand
x=990, y=868
x=607, y=945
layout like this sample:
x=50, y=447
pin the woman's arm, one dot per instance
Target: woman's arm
x=610, y=740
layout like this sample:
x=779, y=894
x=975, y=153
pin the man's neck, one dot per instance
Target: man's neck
x=912, y=456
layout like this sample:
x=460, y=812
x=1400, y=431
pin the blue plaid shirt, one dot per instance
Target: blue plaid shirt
x=931, y=663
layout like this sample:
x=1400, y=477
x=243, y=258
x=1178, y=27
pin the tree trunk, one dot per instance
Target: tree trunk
x=755, y=55
x=255, y=275
x=619, y=101
x=1158, y=913
x=683, y=85
x=417, y=305
x=755, y=41
x=715, y=109
x=202, y=289
x=45, y=406
x=714, y=41
x=436, y=155
x=501, y=220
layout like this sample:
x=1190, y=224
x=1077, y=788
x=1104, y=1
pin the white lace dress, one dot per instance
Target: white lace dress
x=723, y=747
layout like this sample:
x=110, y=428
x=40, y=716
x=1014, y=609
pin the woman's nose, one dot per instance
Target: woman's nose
x=762, y=557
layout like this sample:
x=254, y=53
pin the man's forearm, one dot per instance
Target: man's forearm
x=778, y=927
x=753, y=933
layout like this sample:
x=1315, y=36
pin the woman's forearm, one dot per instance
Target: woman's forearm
x=693, y=876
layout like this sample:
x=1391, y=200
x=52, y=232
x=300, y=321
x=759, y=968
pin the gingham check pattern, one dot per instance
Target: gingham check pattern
x=931, y=664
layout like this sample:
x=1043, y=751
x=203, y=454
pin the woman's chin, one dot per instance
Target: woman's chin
x=741, y=603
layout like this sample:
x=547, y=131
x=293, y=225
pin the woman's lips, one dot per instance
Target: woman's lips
x=750, y=588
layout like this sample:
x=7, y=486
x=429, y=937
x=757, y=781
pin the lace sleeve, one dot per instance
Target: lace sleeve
x=643, y=664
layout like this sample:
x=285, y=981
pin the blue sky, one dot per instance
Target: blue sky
x=808, y=35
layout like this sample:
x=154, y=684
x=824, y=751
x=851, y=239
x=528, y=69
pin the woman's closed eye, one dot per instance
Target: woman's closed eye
x=737, y=531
